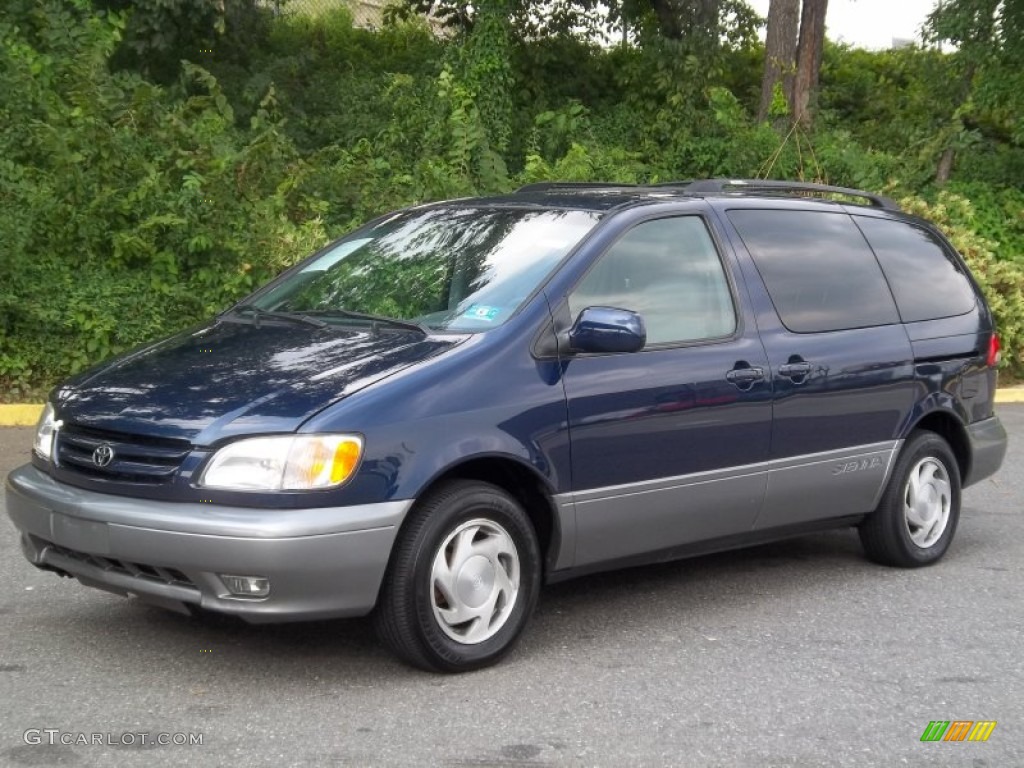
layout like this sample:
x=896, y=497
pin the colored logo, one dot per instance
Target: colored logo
x=958, y=730
x=481, y=312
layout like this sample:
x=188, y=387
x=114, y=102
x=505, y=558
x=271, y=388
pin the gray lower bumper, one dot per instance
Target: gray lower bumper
x=988, y=448
x=321, y=562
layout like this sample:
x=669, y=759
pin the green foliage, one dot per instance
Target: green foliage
x=160, y=33
x=485, y=70
x=989, y=40
x=891, y=100
x=131, y=213
x=704, y=22
x=998, y=212
x=134, y=202
x=581, y=163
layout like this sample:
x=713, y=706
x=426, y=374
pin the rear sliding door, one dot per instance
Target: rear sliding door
x=841, y=363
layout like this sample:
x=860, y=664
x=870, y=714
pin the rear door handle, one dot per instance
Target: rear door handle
x=795, y=370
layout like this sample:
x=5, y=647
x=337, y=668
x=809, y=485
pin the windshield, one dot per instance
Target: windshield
x=459, y=269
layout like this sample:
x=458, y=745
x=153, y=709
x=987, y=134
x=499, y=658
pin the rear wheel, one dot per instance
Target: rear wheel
x=918, y=515
x=463, y=580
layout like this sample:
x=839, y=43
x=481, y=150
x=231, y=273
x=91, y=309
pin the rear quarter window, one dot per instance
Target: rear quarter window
x=926, y=278
x=819, y=271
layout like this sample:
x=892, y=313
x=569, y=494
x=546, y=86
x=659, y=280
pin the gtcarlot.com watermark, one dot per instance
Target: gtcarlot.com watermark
x=51, y=736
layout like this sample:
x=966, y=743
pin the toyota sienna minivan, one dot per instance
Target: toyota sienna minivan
x=436, y=414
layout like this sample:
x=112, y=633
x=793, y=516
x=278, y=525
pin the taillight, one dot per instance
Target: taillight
x=994, y=353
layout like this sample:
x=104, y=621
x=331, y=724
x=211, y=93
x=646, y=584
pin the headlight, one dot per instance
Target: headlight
x=45, y=430
x=285, y=463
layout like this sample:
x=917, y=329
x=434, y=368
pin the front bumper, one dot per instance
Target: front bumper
x=322, y=562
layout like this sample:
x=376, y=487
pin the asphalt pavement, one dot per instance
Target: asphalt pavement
x=794, y=654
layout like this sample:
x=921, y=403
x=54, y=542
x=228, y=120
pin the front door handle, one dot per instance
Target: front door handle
x=795, y=371
x=744, y=378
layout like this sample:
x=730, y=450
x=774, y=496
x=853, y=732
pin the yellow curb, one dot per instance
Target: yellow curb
x=1015, y=395
x=25, y=415
x=19, y=415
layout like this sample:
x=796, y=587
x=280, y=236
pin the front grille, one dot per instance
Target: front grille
x=134, y=458
x=151, y=573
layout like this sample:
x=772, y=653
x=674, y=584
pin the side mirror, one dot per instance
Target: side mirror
x=607, y=329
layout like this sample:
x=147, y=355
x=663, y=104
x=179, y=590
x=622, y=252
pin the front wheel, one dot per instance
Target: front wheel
x=463, y=579
x=915, y=522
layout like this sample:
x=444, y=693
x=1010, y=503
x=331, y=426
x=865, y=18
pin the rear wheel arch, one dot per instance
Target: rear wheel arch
x=950, y=428
x=917, y=515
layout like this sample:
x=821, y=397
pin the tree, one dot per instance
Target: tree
x=989, y=53
x=792, y=62
x=702, y=24
x=808, y=59
x=780, y=54
x=160, y=33
x=680, y=18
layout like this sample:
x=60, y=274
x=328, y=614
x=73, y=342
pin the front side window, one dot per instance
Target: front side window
x=669, y=272
x=457, y=269
x=819, y=271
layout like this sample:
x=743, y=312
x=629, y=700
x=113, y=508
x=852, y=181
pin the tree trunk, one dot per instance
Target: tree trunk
x=780, y=53
x=945, y=169
x=808, y=59
x=948, y=157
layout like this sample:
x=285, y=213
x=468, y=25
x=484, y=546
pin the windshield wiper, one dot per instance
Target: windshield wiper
x=292, y=317
x=394, y=322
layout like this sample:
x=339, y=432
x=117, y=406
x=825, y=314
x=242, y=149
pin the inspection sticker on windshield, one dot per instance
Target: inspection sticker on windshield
x=482, y=312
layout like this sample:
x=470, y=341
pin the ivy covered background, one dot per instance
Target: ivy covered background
x=160, y=160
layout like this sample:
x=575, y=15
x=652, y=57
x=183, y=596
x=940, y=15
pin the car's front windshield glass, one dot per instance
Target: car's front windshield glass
x=459, y=268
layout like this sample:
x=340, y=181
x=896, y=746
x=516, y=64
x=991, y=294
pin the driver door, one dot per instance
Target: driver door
x=669, y=444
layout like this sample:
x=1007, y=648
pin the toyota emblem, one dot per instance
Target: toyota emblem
x=103, y=455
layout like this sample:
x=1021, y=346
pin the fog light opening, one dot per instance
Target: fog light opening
x=246, y=586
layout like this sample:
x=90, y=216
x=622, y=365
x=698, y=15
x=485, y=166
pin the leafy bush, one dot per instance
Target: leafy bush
x=129, y=209
x=128, y=212
x=332, y=80
x=999, y=213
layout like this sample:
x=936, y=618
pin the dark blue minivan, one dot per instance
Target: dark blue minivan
x=434, y=415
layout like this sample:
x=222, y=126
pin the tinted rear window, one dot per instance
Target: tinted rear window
x=927, y=280
x=818, y=269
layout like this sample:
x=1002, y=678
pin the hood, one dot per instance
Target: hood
x=231, y=378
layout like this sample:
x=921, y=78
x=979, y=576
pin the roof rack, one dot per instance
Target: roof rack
x=542, y=186
x=721, y=187
x=754, y=186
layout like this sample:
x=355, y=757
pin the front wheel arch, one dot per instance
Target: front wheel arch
x=526, y=485
x=455, y=524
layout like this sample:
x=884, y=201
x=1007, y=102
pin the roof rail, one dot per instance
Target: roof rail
x=542, y=186
x=754, y=186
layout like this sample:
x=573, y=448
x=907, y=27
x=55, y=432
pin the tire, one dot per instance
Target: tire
x=463, y=579
x=916, y=520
